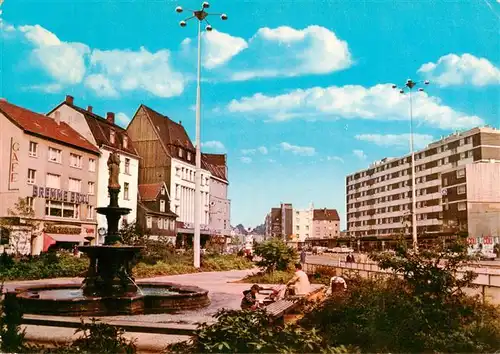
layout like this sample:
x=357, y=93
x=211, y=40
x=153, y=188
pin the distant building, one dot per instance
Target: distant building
x=52, y=167
x=279, y=222
x=108, y=137
x=326, y=223
x=220, y=206
x=457, y=181
x=153, y=212
x=303, y=223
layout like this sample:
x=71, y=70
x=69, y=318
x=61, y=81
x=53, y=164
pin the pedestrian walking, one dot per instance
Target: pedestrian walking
x=303, y=256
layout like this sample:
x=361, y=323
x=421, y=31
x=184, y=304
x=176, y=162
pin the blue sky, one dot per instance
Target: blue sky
x=296, y=92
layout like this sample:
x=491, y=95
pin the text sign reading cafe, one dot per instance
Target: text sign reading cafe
x=60, y=195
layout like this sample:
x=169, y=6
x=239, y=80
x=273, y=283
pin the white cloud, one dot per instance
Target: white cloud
x=335, y=158
x=453, y=70
x=271, y=161
x=63, y=61
x=214, y=145
x=246, y=159
x=47, y=88
x=379, y=102
x=298, y=150
x=261, y=149
x=139, y=70
x=288, y=52
x=360, y=154
x=397, y=140
x=218, y=48
x=101, y=85
x=122, y=119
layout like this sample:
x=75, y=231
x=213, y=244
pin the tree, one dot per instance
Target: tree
x=276, y=255
x=421, y=307
x=21, y=226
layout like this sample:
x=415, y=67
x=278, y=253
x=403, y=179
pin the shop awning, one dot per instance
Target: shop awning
x=51, y=239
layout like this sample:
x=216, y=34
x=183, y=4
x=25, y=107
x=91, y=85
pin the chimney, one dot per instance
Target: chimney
x=180, y=122
x=89, y=109
x=57, y=117
x=110, y=117
x=69, y=99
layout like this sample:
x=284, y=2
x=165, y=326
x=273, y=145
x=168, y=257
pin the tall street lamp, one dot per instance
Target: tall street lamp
x=408, y=88
x=201, y=16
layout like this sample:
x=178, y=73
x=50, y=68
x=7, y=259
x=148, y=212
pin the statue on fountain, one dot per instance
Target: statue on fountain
x=114, y=170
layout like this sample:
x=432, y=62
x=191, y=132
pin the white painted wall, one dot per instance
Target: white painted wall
x=220, y=207
x=182, y=189
x=303, y=223
x=102, y=186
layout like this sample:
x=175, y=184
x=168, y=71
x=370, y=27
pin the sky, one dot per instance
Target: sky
x=297, y=93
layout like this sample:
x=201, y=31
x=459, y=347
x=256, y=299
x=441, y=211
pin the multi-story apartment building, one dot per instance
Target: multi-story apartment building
x=108, y=137
x=220, y=206
x=54, y=169
x=303, y=223
x=168, y=155
x=449, y=189
x=326, y=223
x=279, y=222
x=153, y=212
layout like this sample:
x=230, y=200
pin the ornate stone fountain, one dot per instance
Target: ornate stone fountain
x=108, y=287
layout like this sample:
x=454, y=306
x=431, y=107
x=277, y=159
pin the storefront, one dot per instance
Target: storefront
x=63, y=236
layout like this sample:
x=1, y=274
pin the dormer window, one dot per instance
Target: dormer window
x=125, y=142
x=112, y=136
x=180, y=152
x=162, y=190
x=189, y=156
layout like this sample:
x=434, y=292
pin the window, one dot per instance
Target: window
x=160, y=223
x=33, y=149
x=126, y=191
x=91, y=165
x=31, y=176
x=53, y=181
x=64, y=210
x=55, y=155
x=162, y=191
x=75, y=160
x=125, y=142
x=90, y=212
x=462, y=206
x=178, y=171
x=189, y=156
x=91, y=189
x=30, y=201
x=460, y=173
x=162, y=206
x=112, y=136
x=177, y=191
x=180, y=152
x=75, y=185
x=149, y=222
x=445, y=181
x=461, y=190
x=127, y=166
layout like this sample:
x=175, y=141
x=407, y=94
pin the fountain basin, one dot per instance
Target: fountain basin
x=152, y=297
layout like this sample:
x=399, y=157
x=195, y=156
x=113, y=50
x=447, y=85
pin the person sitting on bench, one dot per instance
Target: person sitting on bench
x=299, y=284
x=249, y=301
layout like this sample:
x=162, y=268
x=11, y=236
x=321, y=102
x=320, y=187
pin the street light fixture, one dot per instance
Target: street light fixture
x=408, y=88
x=201, y=16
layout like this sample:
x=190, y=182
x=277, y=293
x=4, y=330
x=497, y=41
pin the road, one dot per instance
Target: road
x=333, y=258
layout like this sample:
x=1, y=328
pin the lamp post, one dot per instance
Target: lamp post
x=408, y=88
x=201, y=16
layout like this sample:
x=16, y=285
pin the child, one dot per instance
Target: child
x=249, y=300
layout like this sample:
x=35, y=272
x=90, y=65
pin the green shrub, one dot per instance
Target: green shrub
x=252, y=332
x=11, y=335
x=275, y=255
x=424, y=311
x=276, y=277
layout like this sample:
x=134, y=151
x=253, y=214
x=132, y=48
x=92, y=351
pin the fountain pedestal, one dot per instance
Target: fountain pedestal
x=110, y=269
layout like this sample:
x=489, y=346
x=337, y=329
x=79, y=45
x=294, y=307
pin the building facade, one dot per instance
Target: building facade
x=154, y=217
x=325, y=223
x=54, y=169
x=303, y=223
x=219, y=204
x=108, y=137
x=168, y=155
x=279, y=222
x=379, y=197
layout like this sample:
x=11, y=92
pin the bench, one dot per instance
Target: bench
x=278, y=308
